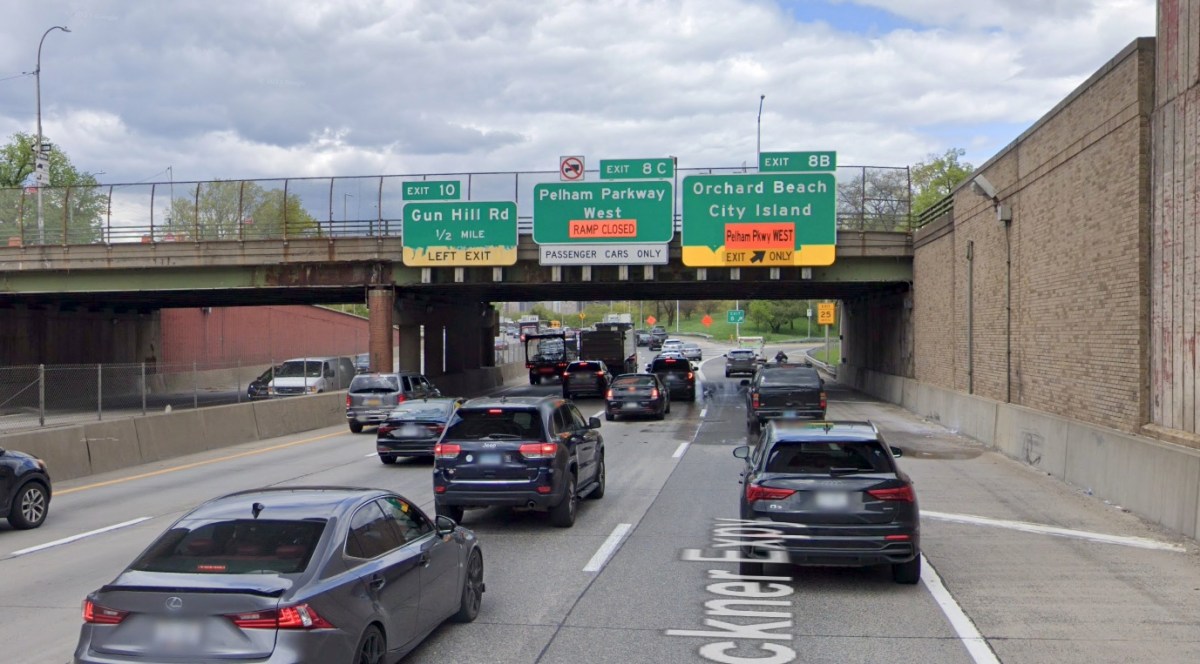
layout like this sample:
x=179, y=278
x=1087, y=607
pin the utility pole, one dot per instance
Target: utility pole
x=758, y=148
x=41, y=161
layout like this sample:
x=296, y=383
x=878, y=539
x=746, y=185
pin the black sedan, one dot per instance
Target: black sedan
x=413, y=428
x=258, y=387
x=299, y=574
x=637, y=394
x=24, y=489
x=833, y=493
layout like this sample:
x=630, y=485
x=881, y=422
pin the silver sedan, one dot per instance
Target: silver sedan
x=692, y=351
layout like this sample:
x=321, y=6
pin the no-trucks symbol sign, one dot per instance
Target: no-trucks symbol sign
x=570, y=169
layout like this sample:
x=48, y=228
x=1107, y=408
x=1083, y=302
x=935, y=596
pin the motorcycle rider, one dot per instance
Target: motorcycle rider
x=781, y=357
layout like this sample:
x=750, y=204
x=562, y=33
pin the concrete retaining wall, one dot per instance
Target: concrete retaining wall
x=1157, y=480
x=98, y=447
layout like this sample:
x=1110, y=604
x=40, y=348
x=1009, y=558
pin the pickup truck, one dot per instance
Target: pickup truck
x=783, y=391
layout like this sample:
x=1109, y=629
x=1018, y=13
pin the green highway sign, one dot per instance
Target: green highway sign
x=759, y=220
x=602, y=212
x=735, y=316
x=637, y=169
x=447, y=234
x=433, y=190
x=797, y=162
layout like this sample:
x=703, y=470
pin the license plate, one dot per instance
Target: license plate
x=490, y=458
x=789, y=413
x=178, y=635
x=630, y=405
x=833, y=499
x=372, y=402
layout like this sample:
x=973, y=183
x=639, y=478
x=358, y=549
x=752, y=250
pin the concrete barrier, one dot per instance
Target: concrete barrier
x=110, y=445
x=1154, y=479
x=84, y=449
x=63, y=449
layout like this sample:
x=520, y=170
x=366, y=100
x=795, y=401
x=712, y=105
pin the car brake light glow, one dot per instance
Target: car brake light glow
x=755, y=492
x=101, y=615
x=896, y=538
x=608, y=395
x=495, y=411
x=399, y=399
x=691, y=375
x=669, y=360
x=901, y=493
x=653, y=393
x=384, y=430
x=538, y=450
x=599, y=373
x=301, y=616
x=754, y=399
x=347, y=400
x=446, y=450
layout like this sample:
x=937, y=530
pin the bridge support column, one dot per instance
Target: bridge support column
x=463, y=351
x=435, y=347
x=381, y=302
x=410, y=347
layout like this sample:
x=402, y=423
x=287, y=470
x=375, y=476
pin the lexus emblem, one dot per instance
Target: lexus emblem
x=174, y=603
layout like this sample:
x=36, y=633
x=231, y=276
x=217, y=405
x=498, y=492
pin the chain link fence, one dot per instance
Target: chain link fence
x=875, y=198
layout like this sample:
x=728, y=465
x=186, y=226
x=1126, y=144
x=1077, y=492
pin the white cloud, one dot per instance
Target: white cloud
x=307, y=87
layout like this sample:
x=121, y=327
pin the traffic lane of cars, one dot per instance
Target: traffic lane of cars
x=656, y=597
x=61, y=575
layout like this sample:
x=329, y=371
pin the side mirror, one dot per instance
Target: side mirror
x=593, y=422
x=897, y=452
x=445, y=525
x=742, y=451
x=745, y=382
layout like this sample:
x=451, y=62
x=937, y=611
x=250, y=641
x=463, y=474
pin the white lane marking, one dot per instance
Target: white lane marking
x=607, y=549
x=972, y=640
x=597, y=413
x=703, y=413
x=680, y=450
x=368, y=456
x=73, y=538
x=1024, y=526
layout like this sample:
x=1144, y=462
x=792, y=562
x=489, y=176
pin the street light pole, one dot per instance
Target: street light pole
x=758, y=148
x=37, y=148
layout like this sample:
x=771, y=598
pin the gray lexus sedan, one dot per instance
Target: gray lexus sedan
x=294, y=574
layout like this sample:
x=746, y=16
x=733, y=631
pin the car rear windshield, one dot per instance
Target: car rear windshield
x=633, y=381
x=496, y=423
x=580, y=367
x=671, y=365
x=828, y=456
x=240, y=546
x=420, y=410
x=741, y=354
x=791, y=377
x=362, y=384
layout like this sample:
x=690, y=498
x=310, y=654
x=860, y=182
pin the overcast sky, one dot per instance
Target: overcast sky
x=274, y=88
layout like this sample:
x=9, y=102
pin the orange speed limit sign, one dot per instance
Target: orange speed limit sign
x=826, y=313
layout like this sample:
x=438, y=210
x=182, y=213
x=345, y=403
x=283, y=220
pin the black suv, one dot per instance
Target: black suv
x=835, y=487
x=675, y=371
x=372, y=396
x=24, y=489
x=784, y=391
x=658, y=334
x=526, y=452
x=590, y=377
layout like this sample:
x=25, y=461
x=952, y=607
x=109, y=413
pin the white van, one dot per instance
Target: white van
x=311, y=375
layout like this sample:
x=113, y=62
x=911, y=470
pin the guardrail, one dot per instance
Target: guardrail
x=935, y=211
x=332, y=207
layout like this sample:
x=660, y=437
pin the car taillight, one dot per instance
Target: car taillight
x=901, y=493
x=347, y=400
x=101, y=615
x=654, y=393
x=538, y=450
x=754, y=399
x=691, y=375
x=599, y=373
x=400, y=399
x=446, y=450
x=384, y=430
x=755, y=492
x=608, y=395
x=301, y=616
x=822, y=401
x=529, y=365
x=436, y=429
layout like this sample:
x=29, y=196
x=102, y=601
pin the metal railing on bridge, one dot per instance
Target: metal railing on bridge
x=869, y=199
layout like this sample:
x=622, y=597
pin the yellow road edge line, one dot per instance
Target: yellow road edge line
x=197, y=464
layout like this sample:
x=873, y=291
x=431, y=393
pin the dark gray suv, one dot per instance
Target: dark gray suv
x=524, y=452
x=833, y=493
x=372, y=396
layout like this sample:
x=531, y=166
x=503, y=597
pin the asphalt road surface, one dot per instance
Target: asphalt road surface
x=1021, y=567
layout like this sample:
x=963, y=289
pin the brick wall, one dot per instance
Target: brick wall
x=1078, y=187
